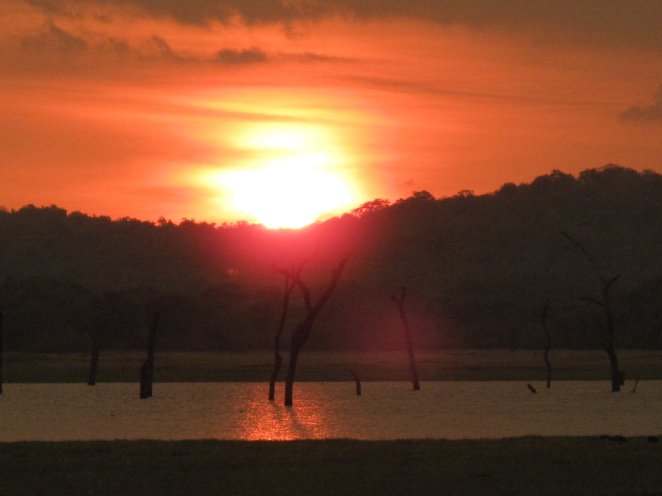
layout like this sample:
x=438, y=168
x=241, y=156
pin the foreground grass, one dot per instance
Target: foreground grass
x=328, y=366
x=524, y=466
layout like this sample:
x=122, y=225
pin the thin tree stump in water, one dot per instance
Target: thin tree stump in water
x=94, y=360
x=2, y=348
x=358, y=382
x=548, y=344
x=147, y=369
x=145, y=390
x=634, y=388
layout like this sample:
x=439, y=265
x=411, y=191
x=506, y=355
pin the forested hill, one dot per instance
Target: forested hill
x=478, y=271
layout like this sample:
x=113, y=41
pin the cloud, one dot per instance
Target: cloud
x=256, y=55
x=401, y=85
x=644, y=113
x=46, y=6
x=159, y=48
x=53, y=36
x=603, y=22
x=247, y=56
x=315, y=57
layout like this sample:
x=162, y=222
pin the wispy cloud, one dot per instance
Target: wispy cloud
x=315, y=57
x=51, y=39
x=52, y=36
x=602, y=22
x=161, y=49
x=246, y=56
x=645, y=113
x=47, y=6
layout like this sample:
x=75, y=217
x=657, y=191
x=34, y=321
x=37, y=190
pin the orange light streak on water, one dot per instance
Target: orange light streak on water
x=264, y=421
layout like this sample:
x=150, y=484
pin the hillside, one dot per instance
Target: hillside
x=478, y=270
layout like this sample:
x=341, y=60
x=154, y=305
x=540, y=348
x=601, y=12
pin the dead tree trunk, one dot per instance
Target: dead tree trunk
x=357, y=381
x=94, y=360
x=304, y=328
x=147, y=369
x=278, y=359
x=634, y=388
x=617, y=375
x=291, y=371
x=145, y=379
x=400, y=304
x=548, y=344
x=609, y=336
x=2, y=347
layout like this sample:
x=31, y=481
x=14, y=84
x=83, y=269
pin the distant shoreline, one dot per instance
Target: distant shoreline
x=453, y=365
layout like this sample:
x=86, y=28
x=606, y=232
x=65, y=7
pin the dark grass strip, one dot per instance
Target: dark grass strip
x=523, y=466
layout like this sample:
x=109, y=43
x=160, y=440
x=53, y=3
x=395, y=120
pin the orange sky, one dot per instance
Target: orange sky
x=146, y=109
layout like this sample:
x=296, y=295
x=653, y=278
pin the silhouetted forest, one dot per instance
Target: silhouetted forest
x=478, y=269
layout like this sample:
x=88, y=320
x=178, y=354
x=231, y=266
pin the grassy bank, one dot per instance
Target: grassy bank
x=330, y=366
x=542, y=466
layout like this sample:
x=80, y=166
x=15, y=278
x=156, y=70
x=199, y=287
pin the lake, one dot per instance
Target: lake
x=386, y=410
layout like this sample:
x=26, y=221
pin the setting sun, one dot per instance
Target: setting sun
x=292, y=178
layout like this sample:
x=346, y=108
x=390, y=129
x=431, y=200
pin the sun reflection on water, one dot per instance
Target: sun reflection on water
x=386, y=410
x=266, y=421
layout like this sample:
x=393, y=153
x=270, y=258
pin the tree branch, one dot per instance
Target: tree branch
x=579, y=247
x=611, y=281
x=305, y=292
x=399, y=300
x=335, y=275
x=592, y=300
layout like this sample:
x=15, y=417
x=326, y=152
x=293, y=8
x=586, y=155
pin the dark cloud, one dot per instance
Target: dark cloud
x=316, y=57
x=602, y=22
x=248, y=56
x=118, y=46
x=645, y=113
x=159, y=48
x=47, y=6
x=53, y=36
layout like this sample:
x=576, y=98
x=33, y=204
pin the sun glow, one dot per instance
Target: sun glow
x=293, y=176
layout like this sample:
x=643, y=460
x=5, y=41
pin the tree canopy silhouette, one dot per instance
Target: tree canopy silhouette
x=476, y=262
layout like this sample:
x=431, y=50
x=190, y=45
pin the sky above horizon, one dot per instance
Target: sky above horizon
x=255, y=109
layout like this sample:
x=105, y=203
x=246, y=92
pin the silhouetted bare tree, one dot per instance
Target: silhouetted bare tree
x=605, y=302
x=400, y=304
x=548, y=343
x=2, y=346
x=357, y=381
x=95, y=345
x=94, y=360
x=278, y=359
x=147, y=369
x=107, y=319
x=303, y=329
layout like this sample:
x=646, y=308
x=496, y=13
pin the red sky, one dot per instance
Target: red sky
x=176, y=108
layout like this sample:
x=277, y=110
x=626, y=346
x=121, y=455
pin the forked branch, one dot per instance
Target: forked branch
x=400, y=304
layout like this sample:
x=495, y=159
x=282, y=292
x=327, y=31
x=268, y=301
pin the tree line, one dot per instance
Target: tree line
x=478, y=269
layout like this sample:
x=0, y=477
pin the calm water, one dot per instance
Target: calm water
x=326, y=410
